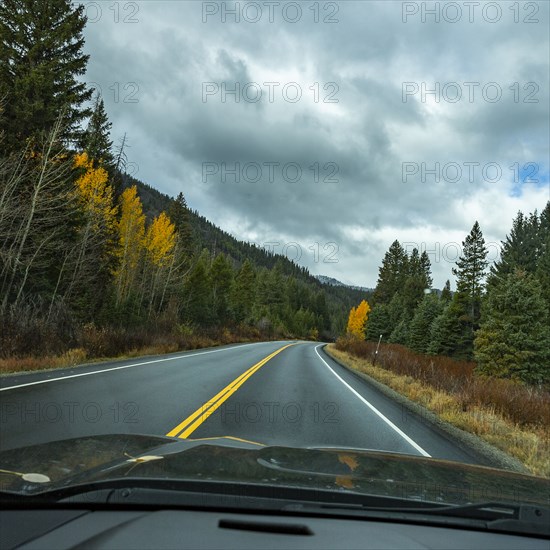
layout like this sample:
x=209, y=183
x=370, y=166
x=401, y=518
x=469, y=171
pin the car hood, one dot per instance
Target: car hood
x=60, y=464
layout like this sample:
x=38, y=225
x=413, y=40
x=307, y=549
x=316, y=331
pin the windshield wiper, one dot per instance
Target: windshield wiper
x=525, y=519
x=493, y=516
x=521, y=518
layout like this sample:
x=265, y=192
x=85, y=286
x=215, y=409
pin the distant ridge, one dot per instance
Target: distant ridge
x=335, y=282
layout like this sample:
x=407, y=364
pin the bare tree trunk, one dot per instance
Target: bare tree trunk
x=38, y=188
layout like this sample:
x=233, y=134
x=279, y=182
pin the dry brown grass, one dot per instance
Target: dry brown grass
x=104, y=344
x=511, y=417
x=70, y=358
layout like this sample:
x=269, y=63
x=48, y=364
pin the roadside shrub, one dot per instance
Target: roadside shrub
x=524, y=405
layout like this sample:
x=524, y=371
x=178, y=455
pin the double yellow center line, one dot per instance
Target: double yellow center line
x=192, y=422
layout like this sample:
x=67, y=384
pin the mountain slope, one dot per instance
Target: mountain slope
x=340, y=298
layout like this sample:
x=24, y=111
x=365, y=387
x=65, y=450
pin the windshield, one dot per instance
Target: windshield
x=284, y=244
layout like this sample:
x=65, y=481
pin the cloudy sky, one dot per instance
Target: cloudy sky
x=339, y=146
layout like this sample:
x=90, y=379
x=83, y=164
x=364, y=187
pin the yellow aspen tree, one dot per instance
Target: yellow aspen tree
x=351, y=321
x=95, y=194
x=131, y=240
x=358, y=319
x=160, y=240
x=361, y=316
x=160, y=243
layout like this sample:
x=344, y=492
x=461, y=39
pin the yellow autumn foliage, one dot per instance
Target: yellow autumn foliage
x=131, y=239
x=357, y=320
x=95, y=195
x=160, y=240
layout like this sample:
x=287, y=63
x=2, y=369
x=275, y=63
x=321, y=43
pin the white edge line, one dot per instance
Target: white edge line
x=374, y=409
x=126, y=366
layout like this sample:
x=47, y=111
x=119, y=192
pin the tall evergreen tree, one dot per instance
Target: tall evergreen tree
x=420, y=327
x=392, y=273
x=438, y=332
x=197, y=292
x=543, y=271
x=514, y=339
x=41, y=59
x=321, y=310
x=417, y=282
x=519, y=250
x=399, y=319
x=274, y=288
x=179, y=215
x=96, y=140
x=544, y=221
x=446, y=294
x=221, y=277
x=527, y=248
x=452, y=332
x=449, y=333
x=426, y=269
x=243, y=292
x=379, y=323
x=303, y=322
x=470, y=273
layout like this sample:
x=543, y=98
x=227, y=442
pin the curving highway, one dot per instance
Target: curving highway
x=274, y=393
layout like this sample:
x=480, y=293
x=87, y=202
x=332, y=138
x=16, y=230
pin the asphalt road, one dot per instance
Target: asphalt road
x=275, y=393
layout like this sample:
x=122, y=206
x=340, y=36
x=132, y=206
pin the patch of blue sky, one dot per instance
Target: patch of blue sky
x=530, y=174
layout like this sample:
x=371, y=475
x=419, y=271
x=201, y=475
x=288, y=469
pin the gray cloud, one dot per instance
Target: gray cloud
x=170, y=53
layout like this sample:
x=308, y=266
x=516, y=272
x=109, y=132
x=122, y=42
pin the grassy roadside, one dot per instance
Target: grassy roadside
x=79, y=356
x=529, y=443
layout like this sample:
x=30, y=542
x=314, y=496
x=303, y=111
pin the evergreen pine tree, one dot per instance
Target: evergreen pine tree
x=418, y=280
x=436, y=336
x=519, y=250
x=379, y=323
x=470, y=273
x=321, y=311
x=543, y=271
x=399, y=318
x=197, y=292
x=400, y=334
x=426, y=269
x=514, y=339
x=420, y=327
x=396, y=310
x=179, y=215
x=543, y=259
x=243, y=292
x=392, y=273
x=96, y=139
x=221, y=277
x=446, y=294
x=274, y=296
x=449, y=335
x=41, y=59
